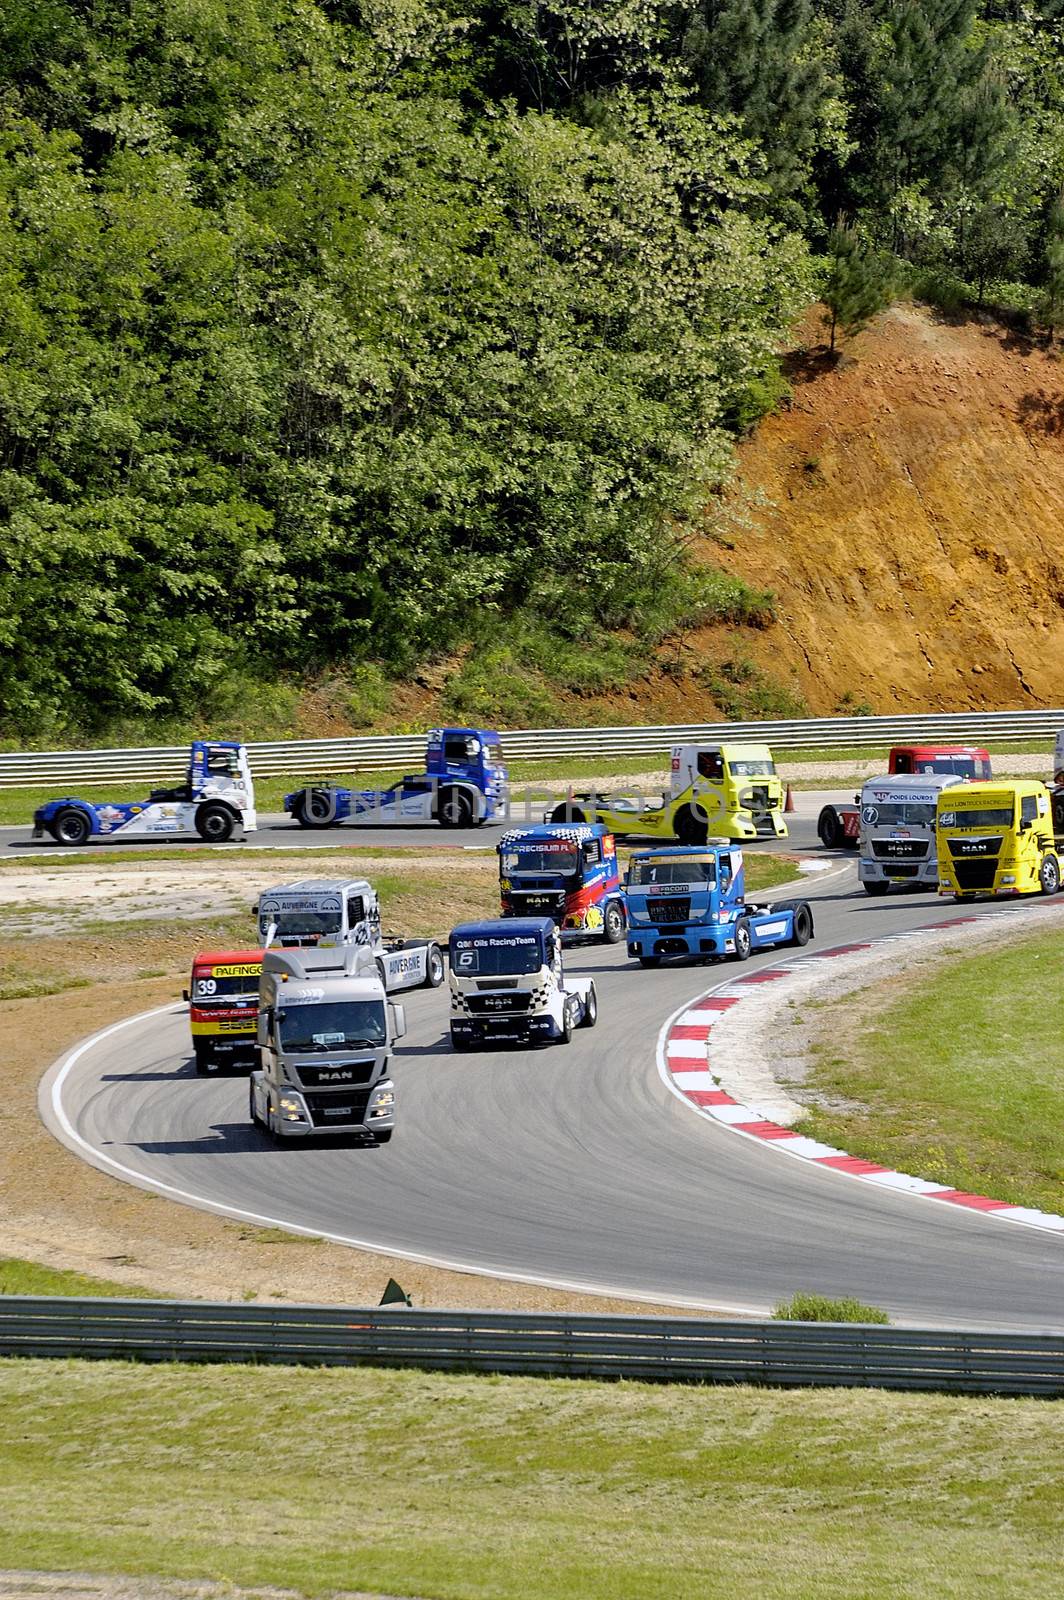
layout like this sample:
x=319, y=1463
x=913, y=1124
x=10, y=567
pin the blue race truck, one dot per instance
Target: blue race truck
x=464, y=784
x=216, y=799
x=685, y=900
x=566, y=871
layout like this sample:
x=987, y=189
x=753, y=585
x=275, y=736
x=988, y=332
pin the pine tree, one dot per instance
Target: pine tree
x=754, y=58
x=857, y=286
x=1052, y=304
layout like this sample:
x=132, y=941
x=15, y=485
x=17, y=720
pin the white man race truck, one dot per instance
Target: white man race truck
x=508, y=987
x=897, y=837
x=325, y=1035
x=326, y=912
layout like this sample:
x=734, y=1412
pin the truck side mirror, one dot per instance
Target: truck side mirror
x=184, y=995
x=255, y=909
x=398, y=1021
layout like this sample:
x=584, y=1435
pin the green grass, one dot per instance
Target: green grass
x=25, y=1277
x=465, y=1488
x=821, y=1308
x=957, y=1077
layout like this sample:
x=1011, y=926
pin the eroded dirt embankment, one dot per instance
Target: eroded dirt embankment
x=911, y=521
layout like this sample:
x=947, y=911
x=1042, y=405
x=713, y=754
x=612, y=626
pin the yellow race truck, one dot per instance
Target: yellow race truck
x=722, y=791
x=997, y=838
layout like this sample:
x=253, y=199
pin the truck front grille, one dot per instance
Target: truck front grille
x=900, y=849
x=337, y=1110
x=337, y=1076
x=494, y=1005
x=677, y=909
x=975, y=862
x=538, y=903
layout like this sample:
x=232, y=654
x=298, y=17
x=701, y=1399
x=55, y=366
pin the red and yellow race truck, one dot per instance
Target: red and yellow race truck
x=839, y=827
x=223, y=1000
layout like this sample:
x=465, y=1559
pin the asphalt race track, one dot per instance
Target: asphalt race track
x=571, y=1165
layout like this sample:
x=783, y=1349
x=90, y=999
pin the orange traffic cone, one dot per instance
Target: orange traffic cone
x=788, y=800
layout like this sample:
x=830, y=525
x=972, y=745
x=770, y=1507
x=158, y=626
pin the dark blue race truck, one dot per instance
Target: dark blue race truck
x=464, y=784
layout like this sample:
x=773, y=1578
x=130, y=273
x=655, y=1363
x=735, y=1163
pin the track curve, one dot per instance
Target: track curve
x=571, y=1166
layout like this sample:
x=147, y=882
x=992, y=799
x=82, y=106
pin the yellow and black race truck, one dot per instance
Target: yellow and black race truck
x=998, y=838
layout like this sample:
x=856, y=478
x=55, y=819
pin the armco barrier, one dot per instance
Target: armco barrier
x=318, y=758
x=658, y=1349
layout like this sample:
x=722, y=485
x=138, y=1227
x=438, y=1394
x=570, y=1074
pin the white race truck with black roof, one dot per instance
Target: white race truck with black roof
x=508, y=987
x=325, y=1033
x=326, y=912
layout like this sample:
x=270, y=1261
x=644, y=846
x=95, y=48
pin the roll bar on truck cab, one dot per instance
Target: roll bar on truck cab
x=465, y=783
x=897, y=838
x=508, y=987
x=997, y=838
x=728, y=790
x=325, y=1034
x=567, y=871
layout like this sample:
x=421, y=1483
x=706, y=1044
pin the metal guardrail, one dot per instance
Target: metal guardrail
x=679, y=1349
x=320, y=758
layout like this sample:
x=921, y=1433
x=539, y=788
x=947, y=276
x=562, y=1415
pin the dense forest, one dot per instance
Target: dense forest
x=338, y=335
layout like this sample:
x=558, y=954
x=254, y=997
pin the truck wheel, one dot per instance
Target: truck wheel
x=876, y=886
x=743, y=941
x=802, y=925
x=1049, y=875
x=613, y=924
x=567, y=1025
x=457, y=1042
x=215, y=823
x=829, y=829
x=433, y=967
x=650, y=961
x=384, y=1137
x=205, y=1062
x=590, y=1008
x=71, y=827
x=688, y=828
x=314, y=809
x=567, y=813
x=455, y=809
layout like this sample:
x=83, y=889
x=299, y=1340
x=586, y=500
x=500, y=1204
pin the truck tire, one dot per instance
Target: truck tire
x=743, y=940
x=650, y=961
x=567, y=1024
x=613, y=923
x=433, y=967
x=215, y=823
x=590, y=1016
x=1049, y=875
x=455, y=810
x=689, y=828
x=876, y=886
x=314, y=809
x=567, y=813
x=205, y=1062
x=802, y=925
x=458, y=1043
x=829, y=829
x=70, y=827
x=384, y=1137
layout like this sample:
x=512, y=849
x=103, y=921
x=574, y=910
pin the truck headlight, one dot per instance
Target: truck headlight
x=384, y=1097
x=1008, y=877
x=291, y=1108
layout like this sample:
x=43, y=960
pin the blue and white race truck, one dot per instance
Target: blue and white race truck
x=507, y=985
x=216, y=799
x=464, y=784
x=685, y=900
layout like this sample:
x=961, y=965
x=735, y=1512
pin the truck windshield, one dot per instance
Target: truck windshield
x=752, y=769
x=487, y=958
x=986, y=817
x=292, y=923
x=893, y=813
x=560, y=858
x=674, y=869
x=206, y=987
x=963, y=766
x=340, y=1025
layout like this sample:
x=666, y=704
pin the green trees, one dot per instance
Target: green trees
x=857, y=283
